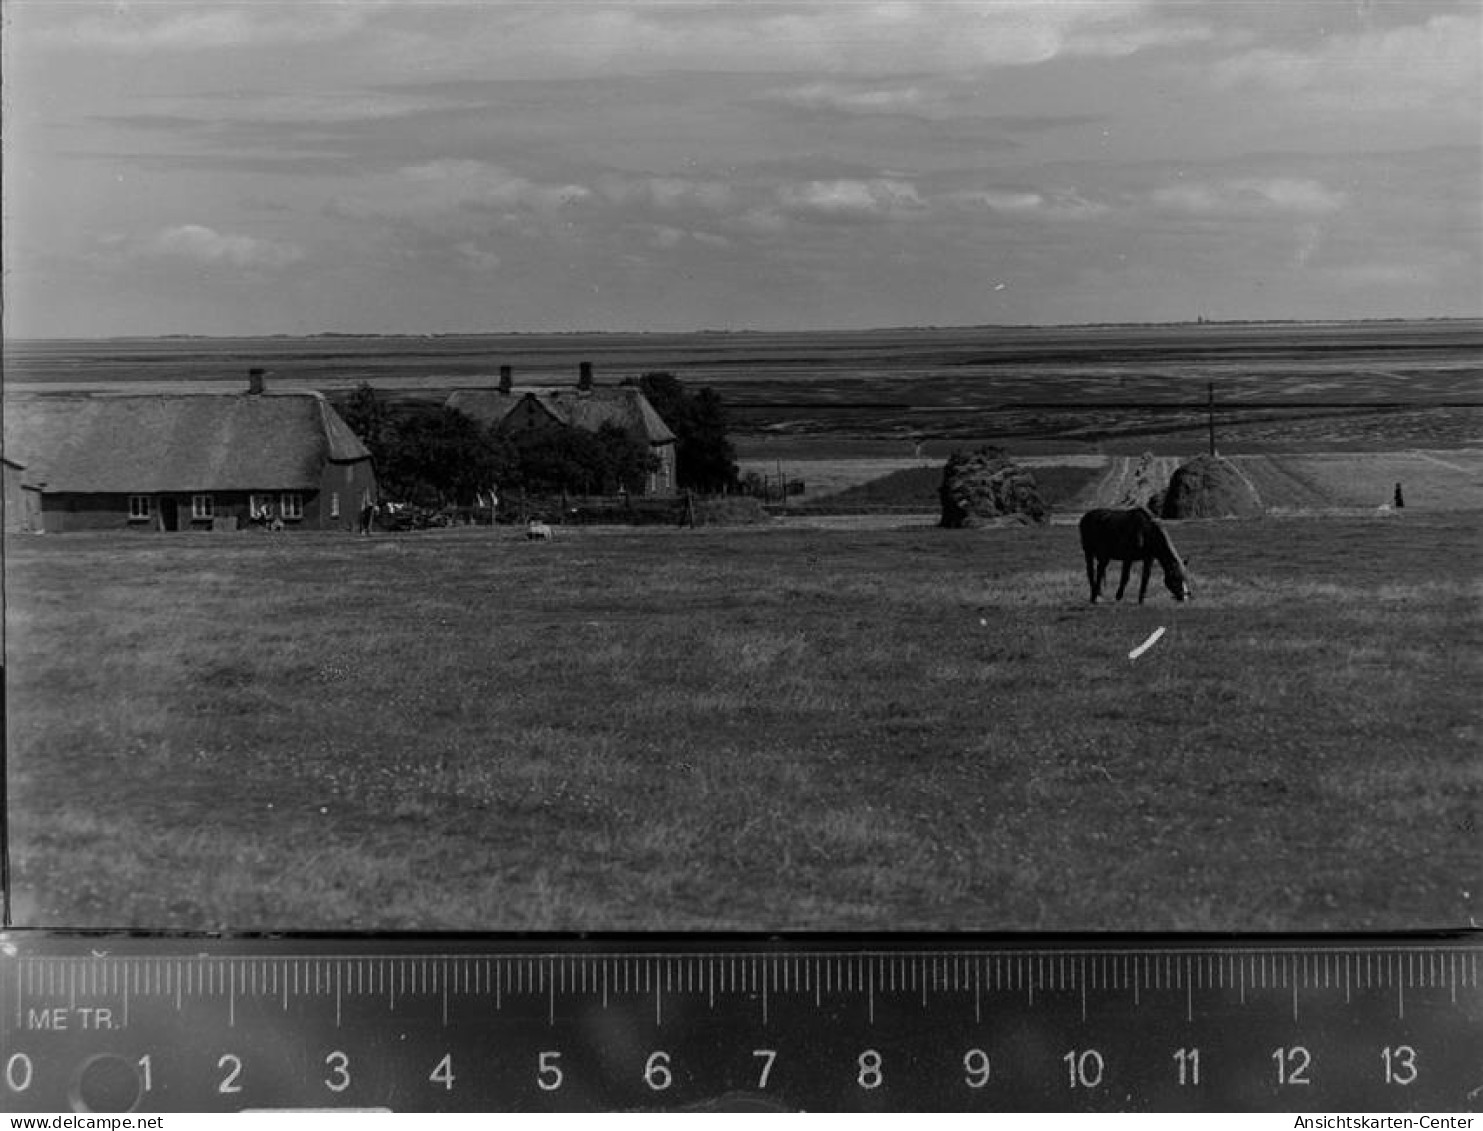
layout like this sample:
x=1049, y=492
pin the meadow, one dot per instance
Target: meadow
x=1286, y=483
x=768, y=728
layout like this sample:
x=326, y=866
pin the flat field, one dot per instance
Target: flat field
x=746, y=729
x=1291, y=482
x=1361, y=385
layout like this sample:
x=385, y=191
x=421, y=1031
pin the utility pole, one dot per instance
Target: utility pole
x=1210, y=413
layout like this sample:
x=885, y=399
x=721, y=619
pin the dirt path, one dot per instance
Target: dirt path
x=1129, y=481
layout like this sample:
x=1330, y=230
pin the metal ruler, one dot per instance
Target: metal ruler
x=93, y=1022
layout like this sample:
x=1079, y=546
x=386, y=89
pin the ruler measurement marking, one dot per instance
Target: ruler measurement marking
x=216, y=974
x=978, y=1015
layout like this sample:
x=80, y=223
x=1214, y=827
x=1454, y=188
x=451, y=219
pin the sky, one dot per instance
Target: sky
x=395, y=166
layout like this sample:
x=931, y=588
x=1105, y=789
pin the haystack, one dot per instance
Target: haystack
x=1144, y=487
x=1210, y=487
x=986, y=488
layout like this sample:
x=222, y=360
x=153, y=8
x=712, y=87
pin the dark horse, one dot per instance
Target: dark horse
x=1130, y=536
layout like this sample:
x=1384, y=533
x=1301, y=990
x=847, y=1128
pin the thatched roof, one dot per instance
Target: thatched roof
x=589, y=409
x=142, y=444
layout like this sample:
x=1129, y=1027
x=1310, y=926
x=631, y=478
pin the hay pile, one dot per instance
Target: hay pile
x=1210, y=487
x=1145, y=488
x=986, y=488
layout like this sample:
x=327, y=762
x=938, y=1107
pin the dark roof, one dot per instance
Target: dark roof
x=589, y=410
x=177, y=442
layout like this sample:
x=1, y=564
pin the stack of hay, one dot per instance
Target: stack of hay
x=1210, y=487
x=1145, y=489
x=986, y=488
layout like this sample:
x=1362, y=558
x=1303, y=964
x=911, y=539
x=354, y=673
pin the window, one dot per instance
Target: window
x=291, y=504
x=202, y=506
x=261, y=506
x=140, y=508
x=334, y=504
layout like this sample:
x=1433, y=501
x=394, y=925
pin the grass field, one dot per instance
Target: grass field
x=750, y=729
x=1290, y=482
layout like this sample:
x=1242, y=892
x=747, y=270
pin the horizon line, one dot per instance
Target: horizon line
x=180, y=335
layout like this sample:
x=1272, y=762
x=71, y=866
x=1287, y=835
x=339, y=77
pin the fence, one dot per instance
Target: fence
x=594, y=510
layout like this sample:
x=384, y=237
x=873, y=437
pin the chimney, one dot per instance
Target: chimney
x=255, y=381
x=584, y=380
x=506, y=378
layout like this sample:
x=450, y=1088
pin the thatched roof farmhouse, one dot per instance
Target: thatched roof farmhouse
x=22, y=500
x=189, y=460
x=585, y=406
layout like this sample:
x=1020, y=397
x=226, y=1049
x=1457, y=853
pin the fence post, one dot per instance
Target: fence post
x=689, y=509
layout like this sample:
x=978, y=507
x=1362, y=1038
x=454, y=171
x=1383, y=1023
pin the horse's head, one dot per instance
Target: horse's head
x=1177, y=582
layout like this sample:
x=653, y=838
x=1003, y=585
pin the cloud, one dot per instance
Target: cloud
x=1251, y=195
x=476, y=258
x=1396, y=68
x=1048, y=204
x=851, y=199
x=200, y=244
x=526, y=40
x=667, y=193
x=439, y=189
x=853, y=99
x=309, y=107
x=131, y=28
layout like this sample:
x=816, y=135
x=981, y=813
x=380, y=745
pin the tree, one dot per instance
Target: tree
x=705, y=459
x=445, y=457
x=569, y=459
x=370, y=419
x=626, y=460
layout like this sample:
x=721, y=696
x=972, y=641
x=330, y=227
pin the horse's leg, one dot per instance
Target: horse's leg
x=1092, y=576
x=1123, y=583
x=1143, y=585
x=1101, y=574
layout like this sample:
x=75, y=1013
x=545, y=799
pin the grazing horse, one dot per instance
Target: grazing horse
x=538, y=531
x=1130, y=536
